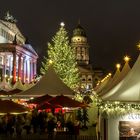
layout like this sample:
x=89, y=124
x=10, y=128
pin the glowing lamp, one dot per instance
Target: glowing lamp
x=126, y=58
x=118, y=66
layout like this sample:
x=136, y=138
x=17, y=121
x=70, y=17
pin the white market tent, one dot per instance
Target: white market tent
x=103, y=84
x=118, y=78
x=4, y=85
x=122, y=75
x=28, y=85
x=110, y=82
x=50, y=84
x=128, y=89
x=19, y=85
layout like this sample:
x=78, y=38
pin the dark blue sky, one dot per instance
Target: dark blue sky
x=112, y=26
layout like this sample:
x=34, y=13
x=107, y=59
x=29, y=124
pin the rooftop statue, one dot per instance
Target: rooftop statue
x=9, y=17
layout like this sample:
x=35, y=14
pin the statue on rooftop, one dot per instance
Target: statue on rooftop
x=9, y=17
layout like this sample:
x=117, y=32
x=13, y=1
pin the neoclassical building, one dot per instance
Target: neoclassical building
x=18, y=59
x=89, y=76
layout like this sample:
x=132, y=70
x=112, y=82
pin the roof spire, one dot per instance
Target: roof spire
x=15, y=40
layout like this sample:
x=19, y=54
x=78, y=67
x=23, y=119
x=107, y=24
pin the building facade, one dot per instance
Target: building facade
x=88, y=75
x=18, y=59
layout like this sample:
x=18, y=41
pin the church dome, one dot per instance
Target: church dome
x=79, y=31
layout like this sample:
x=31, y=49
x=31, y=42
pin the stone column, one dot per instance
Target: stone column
x=10, y=67
x=27, y=71
x=19, y=67
x=14, y=67
x=31, y=70
x=4, y=66
x=23, y=70
x=33, y=63
x=35, y=66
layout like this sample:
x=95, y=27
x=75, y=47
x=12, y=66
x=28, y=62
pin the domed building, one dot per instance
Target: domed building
x=18, y=59
x=89, y=76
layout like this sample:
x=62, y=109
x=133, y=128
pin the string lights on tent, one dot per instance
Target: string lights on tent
x=118, y=108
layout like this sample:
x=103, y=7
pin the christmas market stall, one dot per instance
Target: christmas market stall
x=49, y=84
x=120, y=108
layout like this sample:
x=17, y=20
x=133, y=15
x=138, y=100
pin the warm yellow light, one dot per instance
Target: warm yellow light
x=109, y=74
x=62, y=24
x=138, y=45
x=118, y=66
x=126, y=58
x=50, y=61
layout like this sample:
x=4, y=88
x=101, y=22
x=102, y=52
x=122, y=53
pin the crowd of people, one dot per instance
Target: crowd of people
x=36, y=122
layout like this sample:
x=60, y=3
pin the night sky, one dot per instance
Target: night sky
x=112, y=26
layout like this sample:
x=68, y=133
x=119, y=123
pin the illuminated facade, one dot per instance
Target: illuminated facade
x=18, y=60
x=89, y=77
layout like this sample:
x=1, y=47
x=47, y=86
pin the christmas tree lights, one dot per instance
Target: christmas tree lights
x=63, y=59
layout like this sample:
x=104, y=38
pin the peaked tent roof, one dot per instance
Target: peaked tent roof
x=110, y=82
x=102, y=85
x=120, y=77
x=4, y=85
x=129, y=88
x=50, y=84
x=19, y=85
x=123, y=73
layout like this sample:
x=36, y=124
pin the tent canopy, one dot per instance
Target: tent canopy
x=50, y=84
x=8, y=106
x=41, y=99
x=129, y=88
x=66, y=102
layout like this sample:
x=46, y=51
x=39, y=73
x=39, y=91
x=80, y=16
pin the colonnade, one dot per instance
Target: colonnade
x=18, y=66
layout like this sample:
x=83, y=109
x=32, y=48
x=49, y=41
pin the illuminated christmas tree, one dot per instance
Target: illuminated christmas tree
x=63, y=59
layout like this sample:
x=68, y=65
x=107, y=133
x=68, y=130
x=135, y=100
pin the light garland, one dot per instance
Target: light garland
x=111, y=108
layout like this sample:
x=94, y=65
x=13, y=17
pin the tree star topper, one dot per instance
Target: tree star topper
x=62, y=24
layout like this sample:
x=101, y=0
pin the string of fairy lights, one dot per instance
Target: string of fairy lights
x=117, y=107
